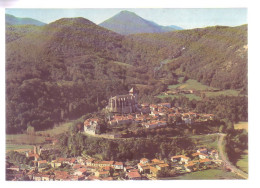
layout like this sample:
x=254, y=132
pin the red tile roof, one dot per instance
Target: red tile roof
x=133, y=175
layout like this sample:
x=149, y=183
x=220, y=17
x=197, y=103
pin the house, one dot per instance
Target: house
x=57, y=163
x=214, y=154
x=128, y=168
x=162, y=123
x=37, y=177
x=144, y=161
x=107, y=179
x=133, y=176
x=92, y=178
x=168, y=105
x=92, y=126
x=189, y=166
x=42, y=164
x=77, y=166
x=154, y=171
x=205, y=161
x=153, y=107
x=202, y=150
x=118, y=166
x=80, y=172
x=157, y=161
x=102, y=174
x=70, y=161
x=162, y=166
x=30, y=174
x=143, y=168
x=15, y=168
x=203, y=156
x=45, y=177
x=154, y=114
x=180, y=158
x=90, y=162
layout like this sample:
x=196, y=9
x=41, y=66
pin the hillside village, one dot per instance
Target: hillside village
x=88, y=168
x=144, y=116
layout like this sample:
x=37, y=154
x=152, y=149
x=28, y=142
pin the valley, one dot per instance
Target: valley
x=124, y=102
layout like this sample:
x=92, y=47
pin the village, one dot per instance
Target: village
x=88, y=168
x=126, y=111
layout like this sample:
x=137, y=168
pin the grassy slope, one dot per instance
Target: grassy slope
x=211, y=174
x=243, y=163
x=195, y=85
x=241, y=125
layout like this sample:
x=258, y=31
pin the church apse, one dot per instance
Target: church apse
x=123, y=103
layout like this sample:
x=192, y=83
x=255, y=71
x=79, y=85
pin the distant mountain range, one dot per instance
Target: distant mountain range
x=12, y=20
x=126, y=23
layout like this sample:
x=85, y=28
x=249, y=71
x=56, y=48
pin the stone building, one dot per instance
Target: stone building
x=123, y=103
x=92, y=126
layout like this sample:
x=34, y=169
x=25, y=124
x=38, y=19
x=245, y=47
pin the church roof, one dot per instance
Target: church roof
x=132, y=90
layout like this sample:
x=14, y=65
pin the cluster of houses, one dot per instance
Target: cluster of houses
x=149, y=116
x=87, y=168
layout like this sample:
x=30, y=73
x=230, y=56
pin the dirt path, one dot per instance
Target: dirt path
x=226, y=161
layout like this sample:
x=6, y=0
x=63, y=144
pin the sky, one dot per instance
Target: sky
x=184, y=17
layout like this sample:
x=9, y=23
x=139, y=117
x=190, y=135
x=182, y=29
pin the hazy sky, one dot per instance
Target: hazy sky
x=186, y=18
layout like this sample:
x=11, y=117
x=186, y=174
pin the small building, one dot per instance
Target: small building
x=92, y=126
x=162, y=166
x=133, y=176
x=80, y=172
x=118, y=166
x=102, y=174
x=144, y=161
x=42, y=164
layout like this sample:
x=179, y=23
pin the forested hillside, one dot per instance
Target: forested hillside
x=215, y=56
x=71, y=67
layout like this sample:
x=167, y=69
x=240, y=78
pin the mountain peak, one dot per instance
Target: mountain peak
x=126, y=22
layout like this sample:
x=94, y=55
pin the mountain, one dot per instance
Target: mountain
x=216, y=56
x=12, y=20
x=70, y=67
x=126, y=23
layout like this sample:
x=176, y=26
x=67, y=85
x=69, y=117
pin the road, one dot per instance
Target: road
x=226, y=161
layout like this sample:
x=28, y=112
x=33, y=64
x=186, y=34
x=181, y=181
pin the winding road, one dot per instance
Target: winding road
x=226, y=161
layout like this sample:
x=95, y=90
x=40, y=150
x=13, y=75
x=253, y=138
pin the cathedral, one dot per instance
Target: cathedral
x=123, y=103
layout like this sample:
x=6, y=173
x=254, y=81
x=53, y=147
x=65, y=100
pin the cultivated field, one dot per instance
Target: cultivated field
x=242, y=163
x=241, y=125
x=24, y=139
x=190, y=84
x=211, y=174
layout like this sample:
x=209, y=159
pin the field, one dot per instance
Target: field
x=10, y=147
x=225, y=92
x=57, y=129
x=190, y=96
x=241, y=125
x=211, y=174
x=24, y=139
x=190, y=84
x=242, y=163
x=197, y=86
x=209, y=141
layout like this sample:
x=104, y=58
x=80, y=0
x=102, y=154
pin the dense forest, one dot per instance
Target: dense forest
x=71, y=67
